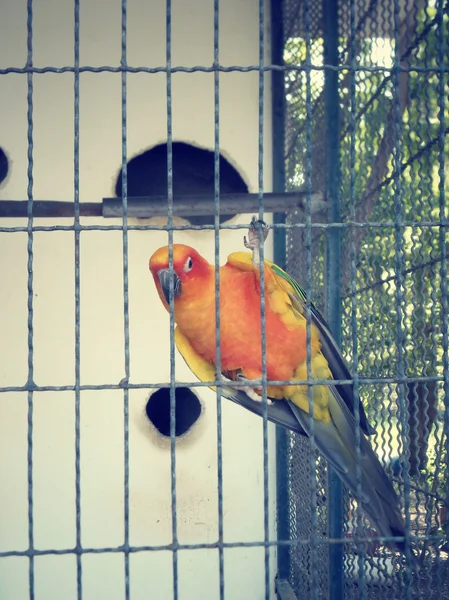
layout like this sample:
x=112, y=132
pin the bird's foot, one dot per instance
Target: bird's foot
x=253, y=241
x=251, y=392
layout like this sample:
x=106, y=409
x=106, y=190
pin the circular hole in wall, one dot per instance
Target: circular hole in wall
x=193, y=173
x=4, y=165
x=187, y=410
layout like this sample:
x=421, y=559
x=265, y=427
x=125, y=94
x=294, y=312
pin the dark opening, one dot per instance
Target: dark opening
x=187, y=410
x=4, y=165
x=193, y=173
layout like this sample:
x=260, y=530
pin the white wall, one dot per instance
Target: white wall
x=102, y=339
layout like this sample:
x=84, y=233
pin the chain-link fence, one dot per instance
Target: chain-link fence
x=386, y=66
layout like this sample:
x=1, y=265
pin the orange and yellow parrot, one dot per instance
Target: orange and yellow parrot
x=192, y=281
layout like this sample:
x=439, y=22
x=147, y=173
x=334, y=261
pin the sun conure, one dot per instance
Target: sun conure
x=192, y=281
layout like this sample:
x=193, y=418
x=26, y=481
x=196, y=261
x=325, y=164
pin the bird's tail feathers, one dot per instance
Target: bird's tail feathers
x=337, y=441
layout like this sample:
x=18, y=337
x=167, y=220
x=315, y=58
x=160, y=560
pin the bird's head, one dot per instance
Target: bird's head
x=190, y=272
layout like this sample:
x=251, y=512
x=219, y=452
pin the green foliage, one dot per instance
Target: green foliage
x=437, y=471
x=387, y=308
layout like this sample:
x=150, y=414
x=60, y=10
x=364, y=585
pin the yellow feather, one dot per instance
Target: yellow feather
x=204, y=370
x=277, y=289
x=320, y=393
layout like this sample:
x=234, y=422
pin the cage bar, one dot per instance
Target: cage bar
x=360, y=141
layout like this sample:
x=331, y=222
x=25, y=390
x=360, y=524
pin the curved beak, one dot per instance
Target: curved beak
x=165, y=275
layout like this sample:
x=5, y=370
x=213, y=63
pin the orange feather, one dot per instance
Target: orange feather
x=240, y=317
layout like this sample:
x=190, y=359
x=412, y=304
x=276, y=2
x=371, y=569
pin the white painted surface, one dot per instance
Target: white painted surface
x=102, y=338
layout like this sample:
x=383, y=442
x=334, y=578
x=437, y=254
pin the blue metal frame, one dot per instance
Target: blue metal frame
x=279, y=235
x=333, y=268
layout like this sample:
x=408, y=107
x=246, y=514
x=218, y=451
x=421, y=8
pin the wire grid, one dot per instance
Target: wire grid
x=417, y=262
x=390, y=173
x=126, y=548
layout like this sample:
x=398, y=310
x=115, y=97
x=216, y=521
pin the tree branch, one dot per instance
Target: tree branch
x=379, y=168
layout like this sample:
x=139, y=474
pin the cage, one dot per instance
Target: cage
x=130, y=125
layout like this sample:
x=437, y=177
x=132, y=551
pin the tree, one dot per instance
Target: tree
x=393, y=143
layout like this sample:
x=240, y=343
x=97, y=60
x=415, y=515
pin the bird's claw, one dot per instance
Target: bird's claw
x=253, y=241
x=249, y=391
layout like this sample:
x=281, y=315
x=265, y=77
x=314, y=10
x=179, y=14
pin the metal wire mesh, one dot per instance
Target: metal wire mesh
x=391, y=158
x=392, y=86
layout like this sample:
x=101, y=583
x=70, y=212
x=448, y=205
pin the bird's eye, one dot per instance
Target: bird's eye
x=188, y=265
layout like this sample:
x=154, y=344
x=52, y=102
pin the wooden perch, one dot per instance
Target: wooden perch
x=156, y=206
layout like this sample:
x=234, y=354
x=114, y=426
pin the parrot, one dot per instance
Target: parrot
x=192, y=281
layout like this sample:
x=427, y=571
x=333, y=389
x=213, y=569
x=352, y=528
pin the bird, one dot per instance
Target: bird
x=329, y=413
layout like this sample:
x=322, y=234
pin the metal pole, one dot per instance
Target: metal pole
x=278, y=125
x=333, y=269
